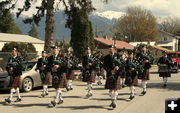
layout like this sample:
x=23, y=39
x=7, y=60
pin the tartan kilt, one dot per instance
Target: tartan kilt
x=164, y=74
x=101, y=72
x=70, y=75
x=131, y=79
x=89, y=76
x=59, y=80
x=145, y=75
x=16, y=82
x=123, y=75
x=113, y=85
x=42, y=76
x=47, y=78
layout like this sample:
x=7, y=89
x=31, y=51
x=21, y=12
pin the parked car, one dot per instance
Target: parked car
x=29, y=79
x=175, y=57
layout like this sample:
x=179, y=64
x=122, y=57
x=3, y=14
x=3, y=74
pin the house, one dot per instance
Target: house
x=167, y=40
x=103, y=43
x=5, y=38
x=147, y=43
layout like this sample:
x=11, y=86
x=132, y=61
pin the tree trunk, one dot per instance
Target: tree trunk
x=49, y=30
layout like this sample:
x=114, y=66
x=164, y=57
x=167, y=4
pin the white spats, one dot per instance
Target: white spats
x=18, y=94
x=69, y=84
x=11, y=93
x=58, y=95
x=144, y=84
x=165, y=79
x=132, y=90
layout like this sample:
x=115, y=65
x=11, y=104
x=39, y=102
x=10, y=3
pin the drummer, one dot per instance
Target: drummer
x=164, y=64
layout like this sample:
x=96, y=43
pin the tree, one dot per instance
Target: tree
x=28, y=52
x=33, y=31
x=7, y=24
x=137, y=24
x=48, y=7
x=81, y=28
x=171, y=25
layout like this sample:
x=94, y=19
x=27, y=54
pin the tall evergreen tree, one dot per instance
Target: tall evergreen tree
x=33, y=31
x=81, y=32
x=7, y=23
x=81, y=27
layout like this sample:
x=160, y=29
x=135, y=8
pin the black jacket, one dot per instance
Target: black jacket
x=17, y=68
x=41, y=61
x=108, y=61
x=50, y=64
x=165, y=60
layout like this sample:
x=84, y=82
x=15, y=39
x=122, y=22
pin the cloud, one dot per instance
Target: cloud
x=158, y=7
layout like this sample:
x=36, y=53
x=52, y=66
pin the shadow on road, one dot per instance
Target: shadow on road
x=84, y=107
x=170, y=86
x=108, y=99
x=30, y=105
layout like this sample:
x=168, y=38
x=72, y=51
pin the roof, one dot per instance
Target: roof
x=119, y=44
x=161, y=48
x=170, y=34
x=5, y=37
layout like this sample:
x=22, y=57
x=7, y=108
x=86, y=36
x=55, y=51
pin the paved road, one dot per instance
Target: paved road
x=75, y=102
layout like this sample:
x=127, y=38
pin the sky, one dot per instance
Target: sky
x=158, y=7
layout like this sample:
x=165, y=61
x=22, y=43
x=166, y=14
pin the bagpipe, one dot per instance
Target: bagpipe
x=141, y=64
x=94, y=61
x=12, y=64
x=57, y=62
x=44, y=62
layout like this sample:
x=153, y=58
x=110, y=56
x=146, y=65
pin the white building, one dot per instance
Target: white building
x=136, y=43
x=167, y=40
x=5, y=38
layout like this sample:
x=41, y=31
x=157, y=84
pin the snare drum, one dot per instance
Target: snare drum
x=163, y=68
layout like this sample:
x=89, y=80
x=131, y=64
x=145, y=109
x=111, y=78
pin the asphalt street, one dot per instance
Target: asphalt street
x=75, y=101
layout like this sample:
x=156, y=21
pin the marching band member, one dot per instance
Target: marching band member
x=111, y=65
x=144, y=65
x=57, y=66
x=131, y=74
x=164, y=64
x=41, y=66
x=14, y=69
x=100, y=69
x=70, y=72
x=89, y=73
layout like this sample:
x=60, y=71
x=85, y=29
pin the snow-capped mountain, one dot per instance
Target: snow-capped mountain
x=99, y=22
x=110, y=14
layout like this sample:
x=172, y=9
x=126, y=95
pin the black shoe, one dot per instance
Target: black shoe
x=164, y=85
x=8, y=100
x=18, y=100
x=67, y=89
x=53, y=103
x=89, y=95
x=71, y=88
x=113, y=105
x=131, y=97
x=143, y=93
x=43, y=95
x=60, y=102
x=47, y=94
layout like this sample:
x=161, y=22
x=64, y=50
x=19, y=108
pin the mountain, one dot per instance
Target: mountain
x=101, y=22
